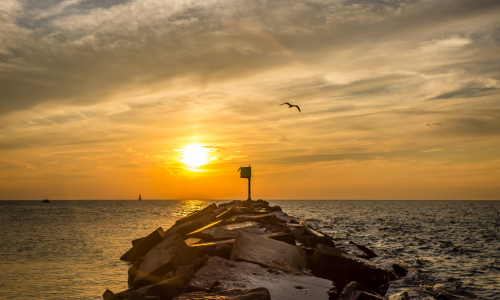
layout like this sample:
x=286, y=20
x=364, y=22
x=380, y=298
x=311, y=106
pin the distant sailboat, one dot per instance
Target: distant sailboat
x=46, y=201
x=140, y=199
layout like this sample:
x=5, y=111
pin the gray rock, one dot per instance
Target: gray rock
x=219, y=273
x=253, y=294
x=221, y=234
x=341, y=268
x=269, y=253
x=165, y=257
x=356, y=291
x=142, y=246
x=188, y=227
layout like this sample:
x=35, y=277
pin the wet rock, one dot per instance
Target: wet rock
x=288, y=238
x=368, y=252
x=188, y=227
x=283, y=217
x=269, y=253
x=167, y=256
x=187, y=270
x=399, y=296
x=107, y=294
x=356, y=291
x=330, y=263
x=399, y=269
x=142, y=246
x=219, y=273
x=196, y=215
x=236, y=294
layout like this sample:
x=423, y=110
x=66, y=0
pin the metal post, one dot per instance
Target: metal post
x=249, y=191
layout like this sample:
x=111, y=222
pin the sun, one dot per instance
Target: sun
x=195, y=155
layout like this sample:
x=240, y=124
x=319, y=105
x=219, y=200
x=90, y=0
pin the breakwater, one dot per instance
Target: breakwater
x=251, y=250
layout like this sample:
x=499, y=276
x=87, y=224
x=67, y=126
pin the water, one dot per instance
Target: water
x=70, y=249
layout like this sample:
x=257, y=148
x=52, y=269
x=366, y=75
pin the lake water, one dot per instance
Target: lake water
x=71, y=249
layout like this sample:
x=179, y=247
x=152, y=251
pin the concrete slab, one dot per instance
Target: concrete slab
x=269, y=253
x=219, y=273
x=165, y=257
x=331, y=263
x=221, y=234
x=141, y=247
x=211, y=225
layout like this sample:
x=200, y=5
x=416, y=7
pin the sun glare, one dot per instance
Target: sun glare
x=195, y=155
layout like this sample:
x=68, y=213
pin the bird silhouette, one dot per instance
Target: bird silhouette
x=291, y=105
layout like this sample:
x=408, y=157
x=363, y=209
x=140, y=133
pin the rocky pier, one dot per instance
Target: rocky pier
x=248, y=250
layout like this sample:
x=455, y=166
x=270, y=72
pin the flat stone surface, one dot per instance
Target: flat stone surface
x=236, y=294
x=343, y=268
x=143, y=245
x=165, y=257
x=268, y=218
x=208, y=248
x=399, y=296
x=219, y=273
x=268, y=252
x=208, y=234
x=221, y=234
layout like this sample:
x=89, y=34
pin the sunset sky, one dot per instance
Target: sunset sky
x=106, y=99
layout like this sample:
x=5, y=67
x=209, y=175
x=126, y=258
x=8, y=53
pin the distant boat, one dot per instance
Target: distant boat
x=46, y=201
x=140, y=199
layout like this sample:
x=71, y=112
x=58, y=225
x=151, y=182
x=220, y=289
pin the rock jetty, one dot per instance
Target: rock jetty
x=248, y=250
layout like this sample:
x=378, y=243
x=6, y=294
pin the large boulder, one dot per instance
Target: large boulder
x=184, y=228
x=197, y=214
x=165, y=257
x=143, y=245
x=268, y=252
x=341, y=268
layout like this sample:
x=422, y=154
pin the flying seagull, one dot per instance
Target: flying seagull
x=291, y=105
